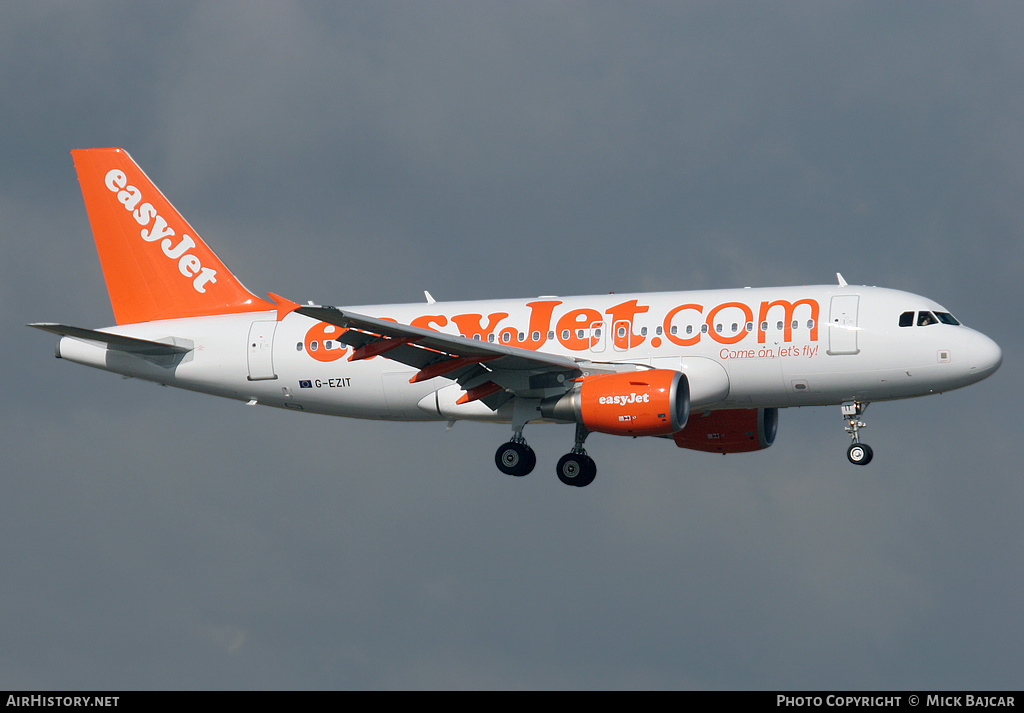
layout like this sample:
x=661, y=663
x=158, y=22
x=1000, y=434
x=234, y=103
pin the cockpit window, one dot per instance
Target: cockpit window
x=925, y=318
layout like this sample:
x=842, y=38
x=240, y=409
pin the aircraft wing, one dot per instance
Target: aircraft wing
x=486, y=371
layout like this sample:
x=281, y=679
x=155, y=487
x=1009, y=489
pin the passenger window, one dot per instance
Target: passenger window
x=926, y=318
x=535, y=336
x=907, y=319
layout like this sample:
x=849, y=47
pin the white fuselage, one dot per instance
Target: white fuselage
x=740, y=348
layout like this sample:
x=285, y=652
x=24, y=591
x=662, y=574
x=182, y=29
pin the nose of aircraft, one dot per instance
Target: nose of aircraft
x=986, y=356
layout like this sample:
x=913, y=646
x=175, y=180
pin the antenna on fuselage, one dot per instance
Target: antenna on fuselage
x=842, y=282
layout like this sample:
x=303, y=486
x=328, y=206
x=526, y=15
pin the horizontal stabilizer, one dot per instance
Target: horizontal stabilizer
x=114, y=341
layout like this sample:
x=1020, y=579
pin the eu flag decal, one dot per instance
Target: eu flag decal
x=305, y=384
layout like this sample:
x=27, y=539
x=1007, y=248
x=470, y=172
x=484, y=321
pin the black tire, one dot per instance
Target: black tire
x=516, y=459
x=576, y=469
x=859, y=453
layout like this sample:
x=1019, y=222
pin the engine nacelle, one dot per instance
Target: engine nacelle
x=654, y=402
x=730, y=431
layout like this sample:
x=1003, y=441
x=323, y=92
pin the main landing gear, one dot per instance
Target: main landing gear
x=575, y=468
x=858, y=453
x=515, y=457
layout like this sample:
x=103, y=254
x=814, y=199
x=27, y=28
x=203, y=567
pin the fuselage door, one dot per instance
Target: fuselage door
x=261, y=350
x=842, y=323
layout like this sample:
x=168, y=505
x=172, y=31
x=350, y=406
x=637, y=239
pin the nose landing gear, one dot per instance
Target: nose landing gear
x=858, y=453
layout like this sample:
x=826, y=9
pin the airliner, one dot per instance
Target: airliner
x=708, y=370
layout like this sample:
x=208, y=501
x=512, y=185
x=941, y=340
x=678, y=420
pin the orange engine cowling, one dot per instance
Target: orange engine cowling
x=636, y=403
x=730, y=431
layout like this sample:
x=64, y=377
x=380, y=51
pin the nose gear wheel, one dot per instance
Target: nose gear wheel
x=858, y=453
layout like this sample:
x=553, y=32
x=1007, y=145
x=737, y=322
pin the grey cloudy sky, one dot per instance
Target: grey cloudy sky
x=362, y=152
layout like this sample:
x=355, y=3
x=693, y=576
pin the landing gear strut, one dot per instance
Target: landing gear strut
x=576, y=467
x=858, y=453
x=515, y=457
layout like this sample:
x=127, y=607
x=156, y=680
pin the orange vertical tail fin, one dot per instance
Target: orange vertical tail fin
x=155, y=265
